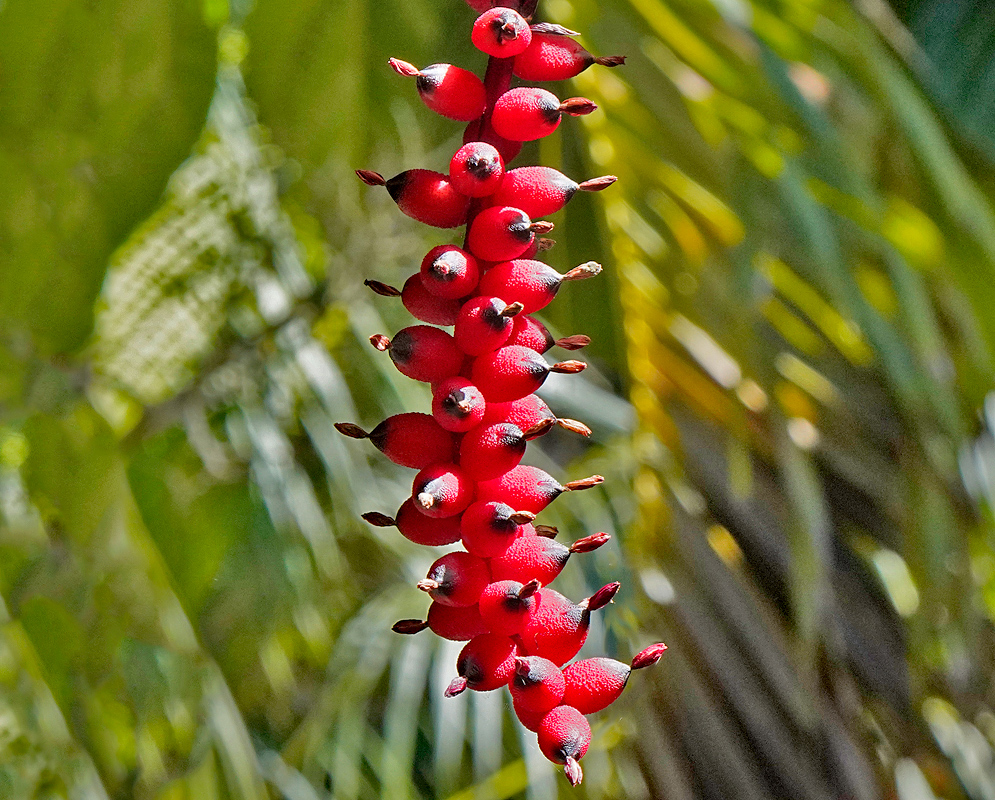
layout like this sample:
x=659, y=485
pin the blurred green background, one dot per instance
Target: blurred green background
x=790, y=394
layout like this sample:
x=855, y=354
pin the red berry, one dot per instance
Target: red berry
x=531, y=283
x=484, y=323
x=457, y=405
x=529, y=488
x=442, y=490
x=596, y=683
x=419, y=303
x=423, y=353
x=491, y=526
x=410, y=440
x=423, y=195
x=564, y=736
x=499, y=230
x=455, y=623
x=531, y=333
x=449, y=272
x=556, y=628
x=456, y=579
x=527, y=113
x=541, y=191
x=537, y=685
x=488, y=451
x=529, y=719
x=416, y=527
x=477, y=169
x=447, y=90
x=501, y=32
x=539, y=557
x=476, y=131
x=505, y=604
x=487, y=662
x=513, y=372
x=552, y=57
x=526, y=412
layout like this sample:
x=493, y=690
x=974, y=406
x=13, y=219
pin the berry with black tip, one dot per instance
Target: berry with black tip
x=420, y=303
x=456, y=579
x=476, y=169
x=484, y=324
x=423, y=353
x=540, y=557
x=489, y=527
x=455, y=623
x=512, y=372
x=537, y=685
x=423, y=195
x=458, y=405
x=541, y=191
x=450, y=91
x=417, y=527
x=488, y=451
x=554, y=57
x=500, y=233
x=564, y=736
x=505, y=604
x=410, y=440
x=486, y=663
x=449, y=272
x=531, y=333
x=556, y=627
x=530, y=488
x=526, y=113
x=595, y=683
x=501, y=32
x=531, y=283
x=442, y=490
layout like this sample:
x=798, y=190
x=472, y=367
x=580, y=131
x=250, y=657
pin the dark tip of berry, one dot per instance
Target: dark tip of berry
x=586, y=270
x=383, y=289
x=575, y=342
x=482, y=167
x=649, y=656
x=395, y=186
x=547, y=531
x=379, y=520
x=602, y=597
x=429, y=78
x=539, y=428
x=549, y=108
x=456, y=687
x=610, y=61
x=577, y=106
x=409, y=626
x=371, y=178
x=379, y=341
x=403, y=68
x=590, y=543
x=522, y=517
x=402, y=347
x=573, y=771
x=350, y=430
x=584, y=483
x=553, y=29
x=568, y=367
x=573, y=426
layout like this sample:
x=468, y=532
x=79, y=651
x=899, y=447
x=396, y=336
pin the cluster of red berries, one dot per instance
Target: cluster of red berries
x=471, y=487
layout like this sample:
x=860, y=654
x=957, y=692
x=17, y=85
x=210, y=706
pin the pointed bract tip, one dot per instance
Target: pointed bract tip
x=584, y=483
x=603, y=596
x=378, y=520
x=547, y=531
x=456, y=687
x=590, y=543
x=577, y=106
x=404, y=68
x=371, y=178
x=427, y=585
x=568, y=367
x=573, y=771
x=573, y=425
x=522, y=666
x=537, y=430
x=409, y=626
x=610, y=61
x=379, y=341
x=597, y=184
x=541, y=226
x=586, y=270
x=545, y=244
x=553, y=29
x=522, y=517
x=350, y=430
x=383, y=289
x=529, y=589
x=575, y=342
x=649, y=656
x=512, y=310
x=425, y=500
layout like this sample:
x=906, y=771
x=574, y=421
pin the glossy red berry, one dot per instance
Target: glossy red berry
x=488, y=451
x=499, y=230
x=449, y=272
x=529, y=488
x=423, y=195
x=537, y=685
x=505, y=604
x=564, y=736
x=595, y=683
x=455, y=623
x=553, y=57
x=527, y=113
x=501, y=32
x=484, y=324
x=512, y=372
x=458, y=405
x=416, y=527
x=532, y=415
x=447, y=90
x=541, y=191
x=556, y=628
x=477, y=169
x=487, y=662
x=540, y=557
x=531, y=283
x=410, y=440
x=456, y=579
x=423, y=353
x=442, y=490
x=489, y=527
x=531, y=333
x=420, y=304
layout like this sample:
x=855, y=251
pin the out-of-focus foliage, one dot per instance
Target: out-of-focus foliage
x=790, y=397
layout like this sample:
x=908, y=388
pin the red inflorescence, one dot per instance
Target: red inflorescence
x=471, y=488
